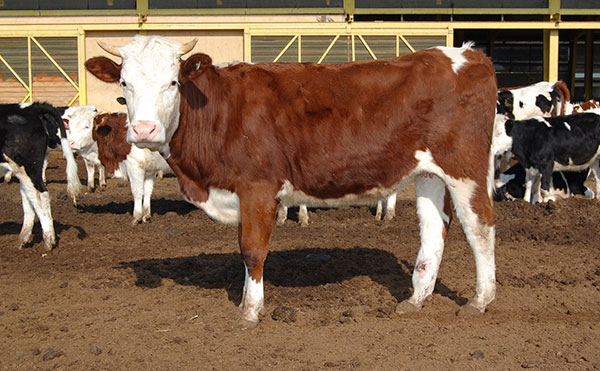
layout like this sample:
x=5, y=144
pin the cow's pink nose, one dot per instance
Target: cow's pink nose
x=144, y=131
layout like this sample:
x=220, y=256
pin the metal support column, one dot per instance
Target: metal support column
x=589, y=64
x=551, y=55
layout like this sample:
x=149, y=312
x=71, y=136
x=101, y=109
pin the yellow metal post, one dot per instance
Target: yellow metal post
x=81, y=68
x=551, y=55
x=589, y=64
x=29, y=70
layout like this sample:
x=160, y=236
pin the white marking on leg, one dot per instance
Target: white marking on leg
x=252, y=298
x=430, y=191
x=596, y=171
x=303, y=215
x=480, y=238
x=148, y=188
x=379, y=212
x=390, y=207
x=40, y=202
x=28, y=219
x=282, y=213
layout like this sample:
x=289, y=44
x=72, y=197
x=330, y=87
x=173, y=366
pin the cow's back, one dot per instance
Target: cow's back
x=338, y=129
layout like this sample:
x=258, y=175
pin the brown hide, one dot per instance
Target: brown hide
x=110, y=132
x=333, y=130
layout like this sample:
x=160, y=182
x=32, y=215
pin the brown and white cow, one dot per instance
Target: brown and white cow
x=123, y=159
x=242, y=139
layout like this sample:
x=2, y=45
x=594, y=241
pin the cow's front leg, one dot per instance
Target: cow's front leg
x=532, y=185
x=282, y=213
x=257, y=211
x=435, y=213
x=136, y=182
x=148, y=188
x=90, y=169
x=596, y=171
x=545, y=183
x=101, y=176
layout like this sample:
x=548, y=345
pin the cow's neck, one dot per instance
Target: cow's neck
x=196, y=144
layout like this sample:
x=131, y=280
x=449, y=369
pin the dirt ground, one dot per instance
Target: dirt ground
x=164, y=295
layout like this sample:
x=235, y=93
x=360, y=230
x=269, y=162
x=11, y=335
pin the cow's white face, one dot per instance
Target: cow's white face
x=81, y=121
x=149, y=79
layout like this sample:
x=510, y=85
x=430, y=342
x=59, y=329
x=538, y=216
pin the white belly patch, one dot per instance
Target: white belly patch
x=222, y=206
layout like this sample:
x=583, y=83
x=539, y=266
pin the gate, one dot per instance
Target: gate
x=39, y=68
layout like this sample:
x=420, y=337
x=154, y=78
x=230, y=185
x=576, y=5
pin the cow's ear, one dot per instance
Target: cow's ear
x=103, y=68
x=194, y=66
x=103, y=130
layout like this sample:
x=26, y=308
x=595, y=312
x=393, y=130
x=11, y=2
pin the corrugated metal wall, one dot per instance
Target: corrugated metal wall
x=267, y=48
x=48, y=83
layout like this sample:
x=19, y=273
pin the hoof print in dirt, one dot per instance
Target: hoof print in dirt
x=284, y=314
x=51, y=355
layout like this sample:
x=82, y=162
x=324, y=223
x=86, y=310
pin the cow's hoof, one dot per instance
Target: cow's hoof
x=469, y=310
x=246, y=324
x=405, y=307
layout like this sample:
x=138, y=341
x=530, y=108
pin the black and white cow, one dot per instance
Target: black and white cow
x=545, y=145
x=26, y=131
x=510, y=185
x=542, y=99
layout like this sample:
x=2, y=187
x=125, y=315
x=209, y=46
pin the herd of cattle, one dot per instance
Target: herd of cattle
x=247, y=140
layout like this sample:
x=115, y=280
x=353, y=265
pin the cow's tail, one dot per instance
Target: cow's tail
x=565, y=96
x=73, y=183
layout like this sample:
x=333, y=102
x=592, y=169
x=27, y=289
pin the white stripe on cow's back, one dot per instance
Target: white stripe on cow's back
x=456, y=55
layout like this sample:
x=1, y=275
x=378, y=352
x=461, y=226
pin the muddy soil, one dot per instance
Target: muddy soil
x=164, y=295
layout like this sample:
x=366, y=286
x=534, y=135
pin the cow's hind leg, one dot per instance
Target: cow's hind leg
x=28, y=220
x=390, y=207
x=474, y=210
x=35, y=199
x=434, y=212
x=596, y=171
x=303, y=215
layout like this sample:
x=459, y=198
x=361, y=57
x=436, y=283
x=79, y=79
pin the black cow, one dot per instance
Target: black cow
x=545, y=145
x=26, y=131
x=510, y=185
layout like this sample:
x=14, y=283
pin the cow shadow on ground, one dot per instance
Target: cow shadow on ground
x=298, y=268
x=14, y=228
x=159, y=206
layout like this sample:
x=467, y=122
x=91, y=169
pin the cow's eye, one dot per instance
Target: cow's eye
x=173, y=83
x=123, y=84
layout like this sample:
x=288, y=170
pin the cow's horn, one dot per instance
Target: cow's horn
x=111, y=49
x=187, y=47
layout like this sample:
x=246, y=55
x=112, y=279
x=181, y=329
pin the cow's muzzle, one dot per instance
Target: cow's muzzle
x=143, y=131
